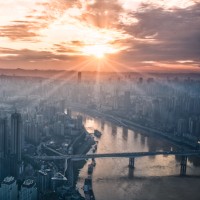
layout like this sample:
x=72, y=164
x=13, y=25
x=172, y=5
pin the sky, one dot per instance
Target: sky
x=105, y=35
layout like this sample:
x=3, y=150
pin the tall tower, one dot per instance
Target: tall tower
x=42, y=181
x=16, y=135
x=3, y=138
x=79, y=77
x=28, y=190
x=127, y=100
x=156, y=110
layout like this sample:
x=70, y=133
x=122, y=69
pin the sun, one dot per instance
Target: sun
x=98, y=51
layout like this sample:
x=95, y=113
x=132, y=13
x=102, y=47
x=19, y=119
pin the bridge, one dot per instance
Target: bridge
x=119, y=155
x=131, y=155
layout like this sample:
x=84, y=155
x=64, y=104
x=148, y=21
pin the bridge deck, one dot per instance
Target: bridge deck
x=119, y=155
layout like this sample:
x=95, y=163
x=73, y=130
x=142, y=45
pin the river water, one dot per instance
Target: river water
x=155, y=177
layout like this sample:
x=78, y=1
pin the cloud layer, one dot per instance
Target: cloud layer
x=144, y=34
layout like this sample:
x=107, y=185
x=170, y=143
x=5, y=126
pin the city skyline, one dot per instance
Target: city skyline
x=100, y=35
x=99, y=99
x=60, y=135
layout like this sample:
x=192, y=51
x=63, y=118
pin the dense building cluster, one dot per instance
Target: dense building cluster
x=171, y=106
x=34, y=126
x=34, y=121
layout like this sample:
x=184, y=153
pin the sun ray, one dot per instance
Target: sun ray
x=145, y=74
x=98, y=50
x=62, y=82
x=51, y=79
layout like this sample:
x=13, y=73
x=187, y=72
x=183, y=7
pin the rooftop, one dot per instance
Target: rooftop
x=28, y=183
x=59, y=176
x=42, y=172
x=8, y=180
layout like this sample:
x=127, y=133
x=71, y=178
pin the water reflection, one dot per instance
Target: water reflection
x=114, y=129
x=142, y=142
x=102, y=124
x=119, y=139
x=125, y=133
x=194, y=160
x=130, y=173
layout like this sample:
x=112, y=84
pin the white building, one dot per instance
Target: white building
x=8, y=189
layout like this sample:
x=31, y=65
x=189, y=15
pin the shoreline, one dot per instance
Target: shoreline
x=134, y=126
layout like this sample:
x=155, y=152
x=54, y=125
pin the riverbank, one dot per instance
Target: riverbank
x=112, y=178
x=180, y=143
x=84, y=148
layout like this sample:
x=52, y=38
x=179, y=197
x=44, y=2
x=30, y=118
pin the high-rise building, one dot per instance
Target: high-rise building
x=28, y=190
x=62, y=105
x=8, y=189
x=127, y=100
x=79, y=77
x=16, y=135
x=115, y=99
x=79, y=122
x=59, y=128
x=156, y=110
x=42, y=181
x=182, y=127
x=49, y=176
x=194, y=126
x=39, y=119
x=69, y=112
x=58, y=180
x=3, y=138
x=27, y=130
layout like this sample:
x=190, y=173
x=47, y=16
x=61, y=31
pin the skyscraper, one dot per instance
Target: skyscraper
x=79, y=77
x=3, y=138
x=127, y=100
x=42, y=181
x=79, y=122
x=28, y=190
x=16, y=135
x=8, y=189
x=4, y=169
x=156, y=110
x=69, y=112
x=58, y=180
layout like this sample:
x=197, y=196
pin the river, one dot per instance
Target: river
x=155, y=177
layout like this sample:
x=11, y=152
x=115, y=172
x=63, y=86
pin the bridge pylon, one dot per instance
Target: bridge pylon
x=183, y=165
x=131, y=163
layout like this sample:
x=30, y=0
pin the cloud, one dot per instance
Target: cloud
x=102, y=13
x=68, y=49
x=21, y=30
x=144, y=32
x=162, y=35
x=27, y=55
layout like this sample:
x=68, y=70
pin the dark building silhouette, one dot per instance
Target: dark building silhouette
x=4, y=161
x=79, y=77
x=3, y=138
x=156, y=110
x=16, y=135
x=127, y=100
